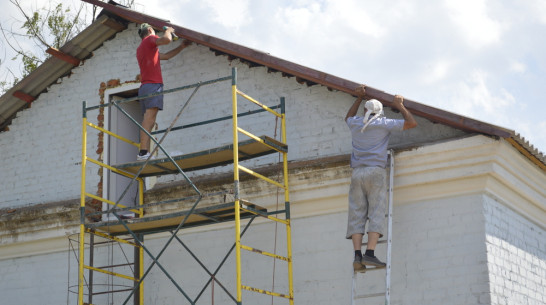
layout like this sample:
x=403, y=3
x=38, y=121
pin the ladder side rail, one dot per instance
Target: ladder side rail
x=388, y=242
x=389, y=229
x=287, y=204
x=283, y=185
x=236, y=186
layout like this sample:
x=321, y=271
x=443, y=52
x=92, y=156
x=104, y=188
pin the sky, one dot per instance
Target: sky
x=484, y=59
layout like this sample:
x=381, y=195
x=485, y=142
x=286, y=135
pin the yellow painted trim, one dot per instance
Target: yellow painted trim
x=113, y=134
x=241, y=93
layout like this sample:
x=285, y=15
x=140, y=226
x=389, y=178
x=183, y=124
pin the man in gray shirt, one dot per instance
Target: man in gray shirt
x=368, y=190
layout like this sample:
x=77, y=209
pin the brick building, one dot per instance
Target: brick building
x=469, y=197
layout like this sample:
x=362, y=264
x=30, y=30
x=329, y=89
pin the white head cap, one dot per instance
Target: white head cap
x=373, y=106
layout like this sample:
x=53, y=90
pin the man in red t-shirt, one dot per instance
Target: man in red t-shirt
x=148, y=57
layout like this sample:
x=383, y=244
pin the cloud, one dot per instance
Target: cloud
x=473, y=22
x=231, y=14
x=474, y=98
x=437, y=71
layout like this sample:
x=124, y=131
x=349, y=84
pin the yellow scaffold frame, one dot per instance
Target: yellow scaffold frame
x=84, y=194
x=238, y=205
x=232, y=211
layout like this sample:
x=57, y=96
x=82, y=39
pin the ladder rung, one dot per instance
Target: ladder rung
x=275, y=294
x=284, y=221
x=371, y=295
x=368, y=269
x=378, y=242
x=264, y=253
x=255, y=174
x=112, y=291
x=111, y=273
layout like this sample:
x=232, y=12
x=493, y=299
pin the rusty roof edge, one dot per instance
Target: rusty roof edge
x=331, y=81
x=328, y=80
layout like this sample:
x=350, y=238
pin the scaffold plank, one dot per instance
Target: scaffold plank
x=166, y=222
x=223, y=155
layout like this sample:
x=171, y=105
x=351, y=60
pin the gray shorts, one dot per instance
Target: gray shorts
x=367, y=200
x=151, y=102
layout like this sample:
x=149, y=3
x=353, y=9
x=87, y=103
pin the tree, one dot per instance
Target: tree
x=40, y=29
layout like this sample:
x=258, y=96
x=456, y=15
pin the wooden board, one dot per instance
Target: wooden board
x=205, y=159
x=160, y=223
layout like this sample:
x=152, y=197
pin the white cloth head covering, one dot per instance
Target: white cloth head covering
x=373, y=106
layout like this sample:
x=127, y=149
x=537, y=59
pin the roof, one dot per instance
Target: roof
x=114, y=18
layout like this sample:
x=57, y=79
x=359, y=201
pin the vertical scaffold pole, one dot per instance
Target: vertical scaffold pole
x=140, y=249
x=236, y=184
x=82, y=206
x=287, y=204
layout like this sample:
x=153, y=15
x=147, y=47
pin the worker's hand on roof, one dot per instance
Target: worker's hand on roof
x=398, y=100
x=186, y=43
x=360, y=91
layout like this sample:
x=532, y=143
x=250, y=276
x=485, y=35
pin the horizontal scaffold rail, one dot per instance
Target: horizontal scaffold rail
x=223, y=155
x=135, y=98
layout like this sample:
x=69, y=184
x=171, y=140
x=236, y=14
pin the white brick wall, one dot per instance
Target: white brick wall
x=42, y=149
x=35, y=279
x=439, y=253
x=516, y=257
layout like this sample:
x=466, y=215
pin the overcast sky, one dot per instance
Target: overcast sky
x=479, y=58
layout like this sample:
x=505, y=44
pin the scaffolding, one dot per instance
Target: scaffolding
x=130, y=232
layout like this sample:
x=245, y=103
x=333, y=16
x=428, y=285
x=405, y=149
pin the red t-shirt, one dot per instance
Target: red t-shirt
x=148, y=61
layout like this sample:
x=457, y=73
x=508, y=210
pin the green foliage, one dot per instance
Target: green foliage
x=46, y=27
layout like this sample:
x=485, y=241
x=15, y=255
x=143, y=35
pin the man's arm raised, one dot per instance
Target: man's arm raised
x=360, y=91
x=409, y=120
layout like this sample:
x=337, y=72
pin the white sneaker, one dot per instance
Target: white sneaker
x=144, y=157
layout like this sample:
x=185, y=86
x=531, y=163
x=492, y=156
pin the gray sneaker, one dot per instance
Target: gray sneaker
x=357, y=265
x=372, y=261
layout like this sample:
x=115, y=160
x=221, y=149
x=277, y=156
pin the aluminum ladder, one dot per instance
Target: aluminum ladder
x=388, y=242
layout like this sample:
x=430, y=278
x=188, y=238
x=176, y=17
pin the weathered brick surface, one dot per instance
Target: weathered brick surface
x=42, y=150
x=516, y=257
x=439, y=251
